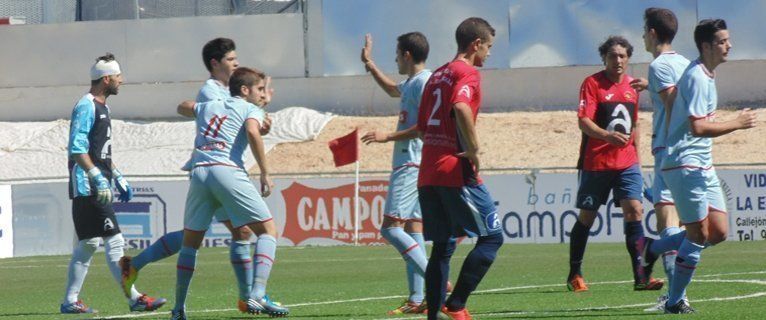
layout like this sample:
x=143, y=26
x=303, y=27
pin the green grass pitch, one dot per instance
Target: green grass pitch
x=526, y=282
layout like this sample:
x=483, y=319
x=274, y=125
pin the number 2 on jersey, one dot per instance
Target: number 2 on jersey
x=437, y=104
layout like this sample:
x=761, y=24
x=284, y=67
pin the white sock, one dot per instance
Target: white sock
x=113, y=247
x=78, y=268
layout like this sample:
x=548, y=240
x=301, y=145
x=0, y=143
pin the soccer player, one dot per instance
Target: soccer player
x=402, y=222
x=608, y=118
x=453, y=199
x=660, y=26
x=90, y=174
x=220, y=58
x=688, y=167
x=219, y=179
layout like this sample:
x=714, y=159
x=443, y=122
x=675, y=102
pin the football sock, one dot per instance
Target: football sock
x=577, y=242
x=413, y=255
x=164, y=247
x=686, y=262
x=474, y=268
x=78, y=268
x=414, y=279
x=671, y=242
x=633, y=234
x=114, y=249
x=239, y=253
x=265, y=253
x=669, y=257
x=437, y=273
x=187, y=260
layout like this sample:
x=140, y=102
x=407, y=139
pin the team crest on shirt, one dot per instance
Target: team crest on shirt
x=628, y=96
x=465, y=91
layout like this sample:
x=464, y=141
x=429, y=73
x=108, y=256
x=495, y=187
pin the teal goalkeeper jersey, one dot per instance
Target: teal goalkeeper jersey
x=407, y=152
x=221, y=138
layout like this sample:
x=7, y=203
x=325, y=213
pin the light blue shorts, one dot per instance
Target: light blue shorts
x=215, y=187
x=696, y=192
x=402, y=200
x=660, y=192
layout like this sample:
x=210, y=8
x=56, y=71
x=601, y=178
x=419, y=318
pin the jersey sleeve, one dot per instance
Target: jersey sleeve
x=465, y=90
x=588, y=99
x=83, y=117
x=256, y=113
x=661, y=77
x=699, y=104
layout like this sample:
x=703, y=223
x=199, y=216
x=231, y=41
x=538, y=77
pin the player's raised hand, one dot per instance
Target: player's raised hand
x=266, y=185
x=639, y=84
x=269, y=93
x=266, y=125
x=374, y=136
x=747, y=118
x=472, y=156
x=367, y=50
x=618, y=138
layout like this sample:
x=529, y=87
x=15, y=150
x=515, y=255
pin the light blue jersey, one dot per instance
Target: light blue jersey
x=696, y=99
x=221, y=138
x=664, y=73
x=407, y=152
x=213, y=90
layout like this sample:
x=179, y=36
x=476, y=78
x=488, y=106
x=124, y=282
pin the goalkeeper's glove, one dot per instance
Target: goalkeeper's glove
x=103, y=190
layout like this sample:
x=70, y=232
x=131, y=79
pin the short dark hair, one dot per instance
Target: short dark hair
x=614, y=41
x=216, y=49
x=664, y=23
x=106, y=58
x=244, y=76
x=471, y=29
x=705, y=31
x=415, y=43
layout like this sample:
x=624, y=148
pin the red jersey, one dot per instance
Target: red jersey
x=454, y=82
x=613, y=107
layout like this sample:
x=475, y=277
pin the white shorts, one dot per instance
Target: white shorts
x=221, y=187
x=402, y=202
x=660, y=192
x=696, y=192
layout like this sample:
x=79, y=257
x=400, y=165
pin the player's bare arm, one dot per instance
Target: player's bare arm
x=591, y=129
x=385, y=83
x=383, y=137
x=186, y=109
x=464, y=120
x=252, y=127
x=704, y=128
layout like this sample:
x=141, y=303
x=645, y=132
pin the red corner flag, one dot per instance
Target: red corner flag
x=345, y=150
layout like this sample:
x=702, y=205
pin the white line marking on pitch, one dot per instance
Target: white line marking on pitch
x=755, y=295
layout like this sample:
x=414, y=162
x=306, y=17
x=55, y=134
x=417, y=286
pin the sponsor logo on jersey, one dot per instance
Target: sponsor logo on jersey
x=465, y=91
x=609, y=96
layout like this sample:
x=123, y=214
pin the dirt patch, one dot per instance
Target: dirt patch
x=508, y=140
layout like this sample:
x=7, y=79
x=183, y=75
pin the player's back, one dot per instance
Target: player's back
x=408, y=152
x=696, y=99
x=664, y=73
x=455, y=82
x=221, y=138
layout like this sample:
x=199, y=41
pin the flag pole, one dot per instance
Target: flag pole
x=356, y=205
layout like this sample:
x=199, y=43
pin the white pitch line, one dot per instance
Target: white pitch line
x=759, y=294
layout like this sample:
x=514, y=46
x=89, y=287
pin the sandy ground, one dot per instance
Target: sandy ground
x=508, y=140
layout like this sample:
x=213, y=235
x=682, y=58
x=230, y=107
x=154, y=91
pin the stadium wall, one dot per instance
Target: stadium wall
x=543, y=49
x=532, y=208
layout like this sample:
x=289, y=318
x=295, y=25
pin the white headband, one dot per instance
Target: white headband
x=103, y=68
